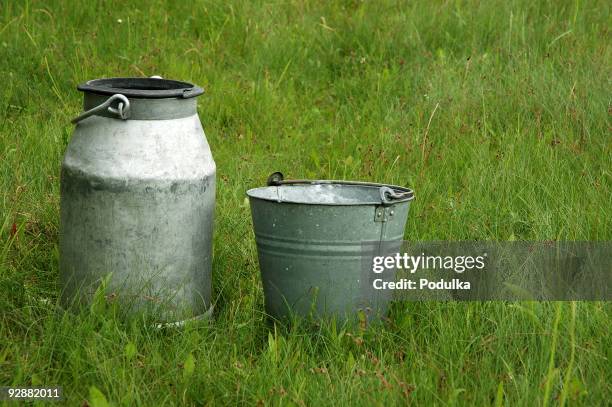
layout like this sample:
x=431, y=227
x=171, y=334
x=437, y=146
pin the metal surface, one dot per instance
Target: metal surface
x=137, y=206
x=310, y=237
x=147, y=109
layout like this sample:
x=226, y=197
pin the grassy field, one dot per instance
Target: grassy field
x=497, y=114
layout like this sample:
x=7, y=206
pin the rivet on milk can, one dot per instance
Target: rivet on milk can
x=310, y=237
x=137, y=199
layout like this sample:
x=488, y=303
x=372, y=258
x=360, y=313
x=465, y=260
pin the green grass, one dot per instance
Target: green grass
x=496, y=113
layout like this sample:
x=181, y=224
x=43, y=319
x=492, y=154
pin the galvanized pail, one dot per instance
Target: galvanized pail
x=312, y=238
x=137, y=198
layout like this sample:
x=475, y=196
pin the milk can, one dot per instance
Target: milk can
x=137, y=199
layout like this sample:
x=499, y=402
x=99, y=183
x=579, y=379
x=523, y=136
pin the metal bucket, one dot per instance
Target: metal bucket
x=312, y=239
x=137, y=198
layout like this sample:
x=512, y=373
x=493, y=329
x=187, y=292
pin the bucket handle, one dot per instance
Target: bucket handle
x=388, y=195
x=122, y=110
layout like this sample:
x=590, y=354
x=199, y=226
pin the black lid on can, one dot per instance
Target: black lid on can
x=144, y=88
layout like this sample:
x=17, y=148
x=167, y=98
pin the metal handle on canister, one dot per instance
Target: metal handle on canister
x=122, y=110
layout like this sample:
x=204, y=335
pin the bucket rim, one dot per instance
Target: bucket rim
x=407, y=192
x=142, y=88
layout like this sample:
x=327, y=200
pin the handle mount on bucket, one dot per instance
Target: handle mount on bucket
x=388, y=195
x=122, y=110
x=276, y=178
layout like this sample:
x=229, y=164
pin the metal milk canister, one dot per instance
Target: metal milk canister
x=137, y=199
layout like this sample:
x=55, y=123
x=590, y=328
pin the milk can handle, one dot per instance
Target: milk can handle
x=122, y=110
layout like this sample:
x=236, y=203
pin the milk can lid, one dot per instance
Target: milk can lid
x=144, y=88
